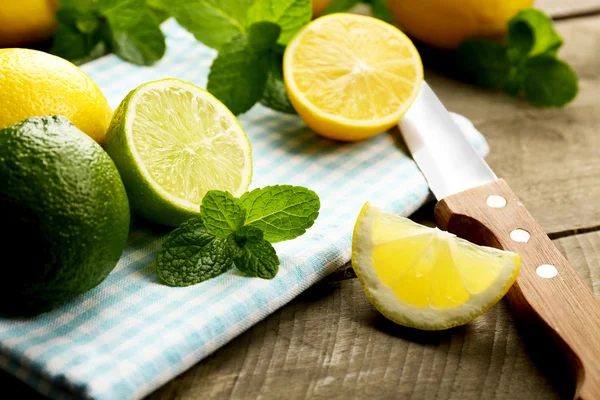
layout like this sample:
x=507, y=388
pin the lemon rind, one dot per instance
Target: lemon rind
x=319, y=113
x=428, y=318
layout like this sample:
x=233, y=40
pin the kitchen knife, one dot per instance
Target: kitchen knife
x=474, y=204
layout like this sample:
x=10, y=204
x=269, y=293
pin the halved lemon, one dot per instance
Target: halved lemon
x=173, y=142
x=426, y=278
x=351, y=77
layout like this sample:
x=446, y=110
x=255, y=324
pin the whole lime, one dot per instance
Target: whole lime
x=64, y=213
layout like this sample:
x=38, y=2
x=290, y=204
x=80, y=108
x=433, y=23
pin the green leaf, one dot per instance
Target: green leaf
x=549, y=82
x=275, y=94
x=338, y=6
x=81, y=35
x=290, y=15
x=282, y=212
x=136, y=35
x=158, y=4
x=213, y=22
x=514, y=84
x=159, y=9
x=381, y=11
x=262, y=36
x=257, y=256
x=484, y=62
x=237, y=76
x=222, y=213
x=191, y=254
x=531, y=32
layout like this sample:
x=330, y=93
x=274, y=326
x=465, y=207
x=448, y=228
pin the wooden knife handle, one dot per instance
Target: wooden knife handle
x=563, y=303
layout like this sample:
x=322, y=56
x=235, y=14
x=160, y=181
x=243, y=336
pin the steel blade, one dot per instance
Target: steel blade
x=448, y=160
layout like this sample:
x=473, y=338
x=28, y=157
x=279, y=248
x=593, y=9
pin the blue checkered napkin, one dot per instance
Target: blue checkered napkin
x=131, y=334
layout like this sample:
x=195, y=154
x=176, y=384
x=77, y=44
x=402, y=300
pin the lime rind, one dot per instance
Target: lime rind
x=149, y=198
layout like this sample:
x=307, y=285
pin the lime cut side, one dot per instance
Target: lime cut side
x=173, y=142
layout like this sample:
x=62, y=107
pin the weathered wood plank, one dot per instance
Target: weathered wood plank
x=569, y=8
x=548, y=156
x=331, y=343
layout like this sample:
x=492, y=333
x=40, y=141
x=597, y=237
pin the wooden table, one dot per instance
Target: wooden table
x=330, y=343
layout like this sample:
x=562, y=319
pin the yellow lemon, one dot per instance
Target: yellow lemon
x=423, y=277
x=34, y=84
x=351, y=77
x=446, y=23
x=26, y=21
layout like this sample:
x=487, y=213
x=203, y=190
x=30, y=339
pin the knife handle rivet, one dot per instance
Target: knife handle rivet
x=520, y=235
x=496, y=201
x=546, y=271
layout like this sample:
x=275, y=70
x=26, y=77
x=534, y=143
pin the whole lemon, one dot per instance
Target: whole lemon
x=34, y=84
x=26, y=21
x=446, y=23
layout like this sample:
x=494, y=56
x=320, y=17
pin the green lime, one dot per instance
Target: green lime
x=64, y=213
x=173, y=142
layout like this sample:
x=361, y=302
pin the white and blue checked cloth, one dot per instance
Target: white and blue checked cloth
x=131, y=334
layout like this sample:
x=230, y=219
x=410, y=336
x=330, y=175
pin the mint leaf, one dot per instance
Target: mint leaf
x=484, y=62
x=238, y=76
x=136, y=35
x=282, y=212
x=221, y=213
x=338, y=6
x=213, y=22
x=257, y=256
x=81, y=35
x=275, y=94
x=514, y=83
x=191, y=254
x=262, y=36
x=290, y=15
x=159, y=9
x=531, y=32
x=549, y=82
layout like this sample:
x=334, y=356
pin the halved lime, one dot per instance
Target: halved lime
x=172, y=142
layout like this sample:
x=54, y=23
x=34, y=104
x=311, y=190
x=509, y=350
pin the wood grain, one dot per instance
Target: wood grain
x=568, y=8
x=331, y=343
x=564, y=305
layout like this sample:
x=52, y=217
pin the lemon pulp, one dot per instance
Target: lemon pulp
x=426, y=278
x=350, y=76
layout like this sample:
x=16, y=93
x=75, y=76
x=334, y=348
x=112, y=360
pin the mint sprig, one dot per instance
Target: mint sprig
x=527, y=65
x=236, y=232
x=238, y=76
x=243, y=72
x=89, y=29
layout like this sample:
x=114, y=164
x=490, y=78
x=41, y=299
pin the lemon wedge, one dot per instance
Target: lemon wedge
x=350, y=76
x=426, y=278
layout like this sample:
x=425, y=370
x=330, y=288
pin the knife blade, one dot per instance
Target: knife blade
x=474, y=204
